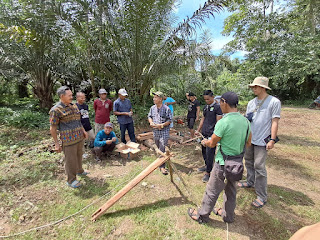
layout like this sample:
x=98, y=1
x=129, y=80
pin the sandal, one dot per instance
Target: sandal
x=244, y=185
x=195, y=216
x=74, y=184
x=256, y=203
x=84, y=173
x=164, y=171
x=217, y=211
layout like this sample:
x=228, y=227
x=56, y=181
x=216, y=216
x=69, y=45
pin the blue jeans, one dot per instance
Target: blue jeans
x=123, y=128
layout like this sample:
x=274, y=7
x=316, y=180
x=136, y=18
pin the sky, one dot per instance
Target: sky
x=215, y=25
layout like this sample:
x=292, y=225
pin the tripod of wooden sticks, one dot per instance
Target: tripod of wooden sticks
x=165, y=157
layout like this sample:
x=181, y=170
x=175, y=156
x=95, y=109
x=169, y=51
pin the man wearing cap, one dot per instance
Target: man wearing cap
x=211, y=115
x=169, y=101
x=193, y=112
x=264, y=112
x=105, y=141
x=233, y=133
x=65, y=117
x=102, y=107
x=160, y=118
x=122, y=108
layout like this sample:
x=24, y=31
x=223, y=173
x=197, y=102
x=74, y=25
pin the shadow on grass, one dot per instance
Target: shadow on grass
x=93, y=186
x=150, y=207
x=290, y=166
x=288, y=196
x=298, y=141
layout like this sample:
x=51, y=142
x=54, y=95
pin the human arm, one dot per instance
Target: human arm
x=53, y=131
x=198, y=113
x=211, y=143
x=98, y=141
x=200, y=124
x=274, y=131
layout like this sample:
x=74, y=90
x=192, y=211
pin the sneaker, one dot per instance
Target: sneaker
x=205, y=178
x=202, y=169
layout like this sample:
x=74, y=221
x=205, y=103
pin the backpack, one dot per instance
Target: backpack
x=233, y=165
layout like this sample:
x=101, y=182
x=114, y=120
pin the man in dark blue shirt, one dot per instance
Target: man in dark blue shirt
x=122, y=108
x=211, y=115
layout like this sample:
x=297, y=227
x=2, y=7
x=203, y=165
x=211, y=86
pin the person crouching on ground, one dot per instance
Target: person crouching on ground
x=105, y=141
x=160, y=118
x=232, y=131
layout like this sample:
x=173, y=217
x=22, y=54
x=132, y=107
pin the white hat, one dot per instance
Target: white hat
x=123, y=92
x=102, y=91
x=260, y=81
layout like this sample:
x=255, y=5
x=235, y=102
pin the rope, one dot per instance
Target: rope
x=70, y=216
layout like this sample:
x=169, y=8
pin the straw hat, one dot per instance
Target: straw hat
x=260, y=81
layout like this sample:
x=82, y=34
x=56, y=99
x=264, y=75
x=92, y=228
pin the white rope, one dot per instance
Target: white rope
x=70, y=216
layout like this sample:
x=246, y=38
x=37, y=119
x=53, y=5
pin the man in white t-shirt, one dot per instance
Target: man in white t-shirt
x=264, y=114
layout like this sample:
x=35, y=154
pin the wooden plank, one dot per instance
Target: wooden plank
x=157, y=163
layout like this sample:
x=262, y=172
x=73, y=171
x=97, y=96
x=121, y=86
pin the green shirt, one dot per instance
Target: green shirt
x=232, y=130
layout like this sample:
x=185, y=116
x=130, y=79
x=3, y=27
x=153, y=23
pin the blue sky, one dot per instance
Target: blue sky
x=215, y=25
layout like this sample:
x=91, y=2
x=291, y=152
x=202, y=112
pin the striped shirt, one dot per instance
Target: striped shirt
x=67, y=118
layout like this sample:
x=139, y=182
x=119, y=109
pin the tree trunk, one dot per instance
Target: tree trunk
x=44, y=89
x=22, y=89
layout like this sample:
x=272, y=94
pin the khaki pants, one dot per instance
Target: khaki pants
x=73, y=160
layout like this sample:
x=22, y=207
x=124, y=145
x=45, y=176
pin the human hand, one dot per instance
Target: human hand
x=130, y=114
x=114, y=139
x=108, y=141
x=86, y=135
x=197, y=133
x=57, y=147
x=197, y=119
x=270, y=145
x=204, y=142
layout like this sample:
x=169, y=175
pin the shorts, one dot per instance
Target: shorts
x=191, y=122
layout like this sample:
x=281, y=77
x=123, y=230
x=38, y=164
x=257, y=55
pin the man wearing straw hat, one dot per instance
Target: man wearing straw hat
x=264, y=113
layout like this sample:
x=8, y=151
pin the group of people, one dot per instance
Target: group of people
x=221, y=127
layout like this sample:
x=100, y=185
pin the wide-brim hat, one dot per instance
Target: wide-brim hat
x=261, y=82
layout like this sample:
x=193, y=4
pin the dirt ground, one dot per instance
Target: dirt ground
x=157, y=208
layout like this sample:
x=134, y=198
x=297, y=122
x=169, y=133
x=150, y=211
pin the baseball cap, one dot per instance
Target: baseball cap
x=231, y=98
x=159, y=94
x=122, y=92
x=191, y=94
x=102, y=91
x=108, y=124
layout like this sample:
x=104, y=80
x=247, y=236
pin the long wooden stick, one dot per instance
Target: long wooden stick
x=158, y=162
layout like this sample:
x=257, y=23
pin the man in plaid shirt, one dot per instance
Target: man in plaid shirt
x=160, y=118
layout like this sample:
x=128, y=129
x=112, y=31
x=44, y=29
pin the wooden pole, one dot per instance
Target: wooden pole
x=158, y=162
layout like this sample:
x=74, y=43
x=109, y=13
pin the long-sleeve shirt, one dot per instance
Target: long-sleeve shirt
x=102, y=137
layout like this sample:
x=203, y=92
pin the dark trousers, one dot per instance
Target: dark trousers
x=106, y=148
x=123, y=128
x=208, y=157
x=214, y=187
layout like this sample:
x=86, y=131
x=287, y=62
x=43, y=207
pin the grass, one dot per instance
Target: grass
x=33, y=191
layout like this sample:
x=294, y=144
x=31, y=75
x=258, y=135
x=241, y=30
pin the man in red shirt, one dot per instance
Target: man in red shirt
x=102, y=107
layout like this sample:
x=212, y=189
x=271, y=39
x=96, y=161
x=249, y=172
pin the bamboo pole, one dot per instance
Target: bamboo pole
x=129, y=186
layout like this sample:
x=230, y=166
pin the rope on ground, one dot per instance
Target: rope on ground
x=226, y=223
x=72, y=215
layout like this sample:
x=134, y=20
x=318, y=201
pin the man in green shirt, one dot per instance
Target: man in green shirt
x=231, y=131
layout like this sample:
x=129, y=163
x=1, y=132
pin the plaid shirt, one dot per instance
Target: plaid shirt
x=159, y=116
x=67, y=118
